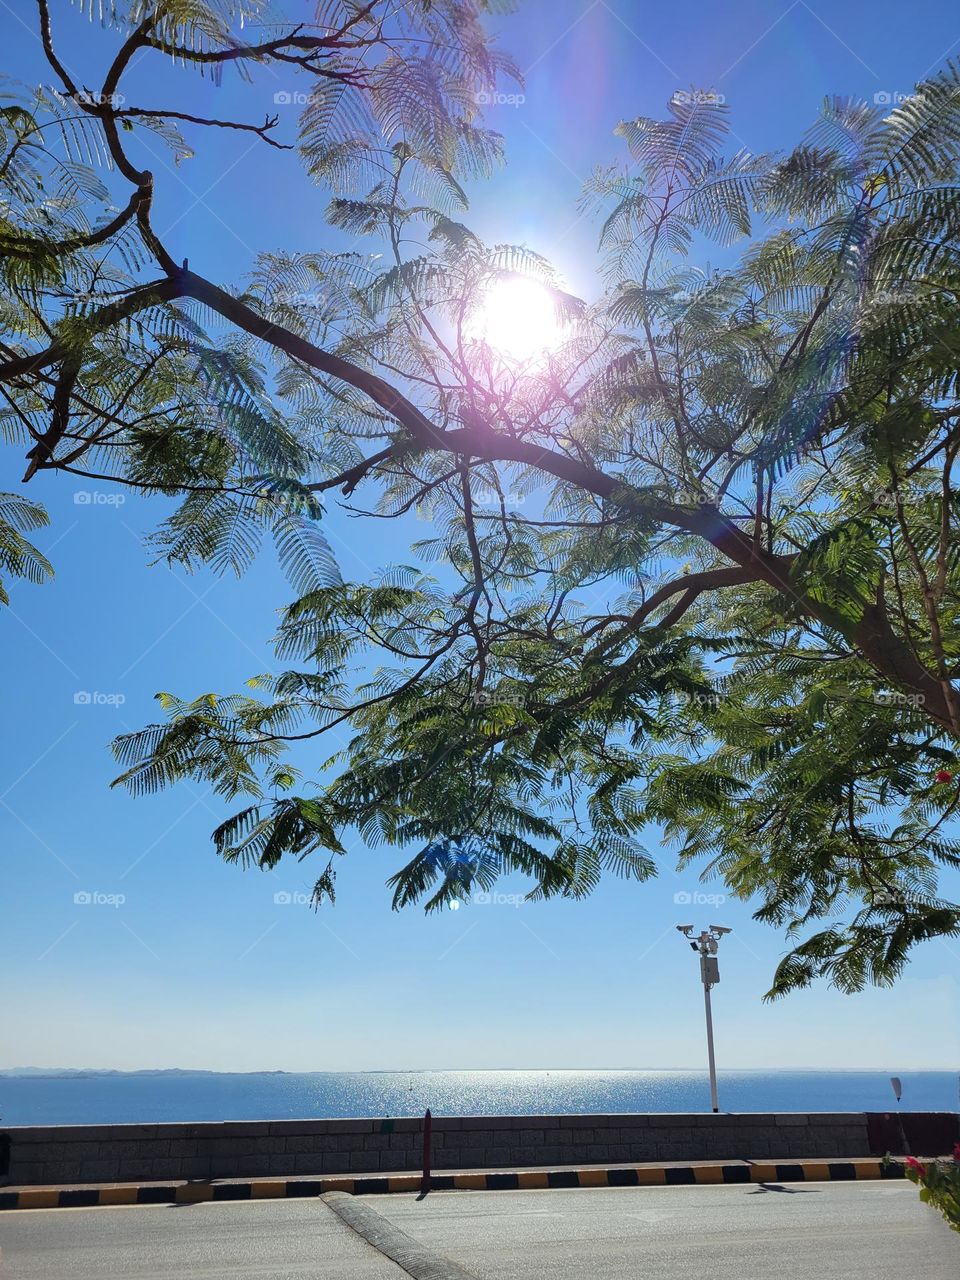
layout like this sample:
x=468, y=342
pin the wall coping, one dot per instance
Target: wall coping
x=307, y=1125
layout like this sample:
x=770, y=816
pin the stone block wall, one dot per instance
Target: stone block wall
x=66, y=1154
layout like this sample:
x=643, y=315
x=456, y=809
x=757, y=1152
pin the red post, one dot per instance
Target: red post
x=427, y=1127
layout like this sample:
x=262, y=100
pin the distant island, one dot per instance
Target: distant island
x=64, y=1073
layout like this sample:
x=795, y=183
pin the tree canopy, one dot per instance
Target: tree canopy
x=694, y=565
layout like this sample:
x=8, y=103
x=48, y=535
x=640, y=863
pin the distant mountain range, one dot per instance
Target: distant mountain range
x=60, y=1073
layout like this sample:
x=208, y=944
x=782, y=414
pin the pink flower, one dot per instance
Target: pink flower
x=916, y=1166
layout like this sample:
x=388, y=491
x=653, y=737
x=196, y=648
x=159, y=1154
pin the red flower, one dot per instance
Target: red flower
x=944, y=775
x=956, y=1152
x=916, y=1166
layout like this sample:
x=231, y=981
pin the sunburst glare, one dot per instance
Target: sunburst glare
x=517, y=317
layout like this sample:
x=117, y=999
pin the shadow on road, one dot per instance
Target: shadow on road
x=787, y=1191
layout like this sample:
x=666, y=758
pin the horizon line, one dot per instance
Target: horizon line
x=254, y=1071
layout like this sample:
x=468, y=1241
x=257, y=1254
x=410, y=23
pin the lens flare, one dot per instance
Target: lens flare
x=516, y=317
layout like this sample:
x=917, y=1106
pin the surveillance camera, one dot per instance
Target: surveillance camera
x=720, y=928
x=684, y=928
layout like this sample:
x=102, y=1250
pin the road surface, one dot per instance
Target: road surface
x=810, y=1231
x=259, y=1240
x=814, y=1231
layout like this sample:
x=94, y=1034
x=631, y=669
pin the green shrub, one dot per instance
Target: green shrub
x=939, y=1183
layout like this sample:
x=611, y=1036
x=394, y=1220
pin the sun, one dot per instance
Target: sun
x=517, y=317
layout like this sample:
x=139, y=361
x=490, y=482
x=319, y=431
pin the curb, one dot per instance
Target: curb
x=416, y=1260
x=643, y=1175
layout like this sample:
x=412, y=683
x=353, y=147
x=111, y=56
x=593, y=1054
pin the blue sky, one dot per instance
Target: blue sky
x=182, y=961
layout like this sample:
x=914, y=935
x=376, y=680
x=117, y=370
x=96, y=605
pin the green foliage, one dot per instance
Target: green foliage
x=18, y=557
x=939, y=1183
x=696, y=565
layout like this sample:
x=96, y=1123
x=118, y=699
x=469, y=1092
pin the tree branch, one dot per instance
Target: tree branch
x=348, y=480
x=872, y=634
x=146, y=296
x=691, y=585
x=42, y=451
x=261, y=130
x=26, y=246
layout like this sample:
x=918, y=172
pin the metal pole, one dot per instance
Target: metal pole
x=713, y=1065
x=706, y=947
x=427, y=1133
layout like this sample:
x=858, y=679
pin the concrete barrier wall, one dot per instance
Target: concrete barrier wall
x=125, y=1152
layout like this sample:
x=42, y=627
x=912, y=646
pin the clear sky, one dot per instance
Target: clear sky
x=181, y=961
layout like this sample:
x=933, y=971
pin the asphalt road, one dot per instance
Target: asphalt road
x=258, y=1240
x=817, y=1231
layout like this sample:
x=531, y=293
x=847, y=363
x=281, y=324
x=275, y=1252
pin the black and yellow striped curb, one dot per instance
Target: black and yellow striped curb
x=644, y=1175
